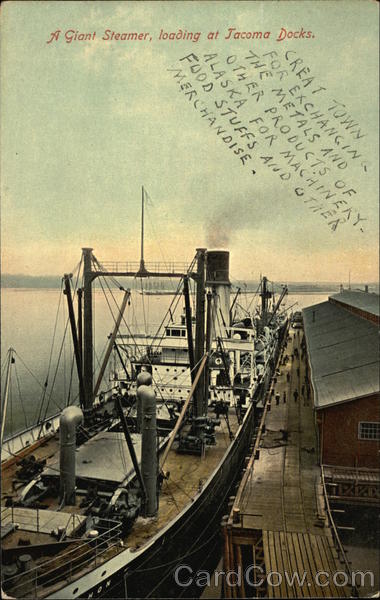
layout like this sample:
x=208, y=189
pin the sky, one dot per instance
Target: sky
x=85, y=124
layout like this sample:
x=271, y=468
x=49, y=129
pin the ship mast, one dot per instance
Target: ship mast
x=87, y=332
x=89, y=275
x=77, y=350
x=199, y=404
x=142, y=270
x=265, y=296
x=189, y=326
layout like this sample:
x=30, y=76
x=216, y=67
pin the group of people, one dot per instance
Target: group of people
x=298, y=354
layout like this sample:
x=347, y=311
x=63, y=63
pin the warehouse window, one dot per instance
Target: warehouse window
x=369, y=431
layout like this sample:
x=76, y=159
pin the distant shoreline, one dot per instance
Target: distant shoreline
x=154, y=287
x=291, y=292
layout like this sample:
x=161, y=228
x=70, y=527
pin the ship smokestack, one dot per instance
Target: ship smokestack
x=149, y=447
x=143, y=378
x=70, y=418
x=218, y=262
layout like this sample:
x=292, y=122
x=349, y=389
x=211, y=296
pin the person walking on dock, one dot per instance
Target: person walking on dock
x=284, y=397
x=288, y=377
x=295, y=395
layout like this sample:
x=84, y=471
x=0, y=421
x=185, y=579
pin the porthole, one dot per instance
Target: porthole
x=104, y=572
x=76, y=590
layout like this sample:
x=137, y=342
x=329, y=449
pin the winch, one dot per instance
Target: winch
x=201, y=434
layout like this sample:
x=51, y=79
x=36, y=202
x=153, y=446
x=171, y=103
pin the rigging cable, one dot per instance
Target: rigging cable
x=93, y=319
x=71, y=380
x=4, y=366
x=254, y=297
x=128, y=329
x=59, y=355
x=42, y=401
x=64, y=352
x=27, y=368
x=20, y=397
x=176, y=298
x=143, y=305
x=166, y=262
x=11, y=401
x=55, y=376
x=111, y=311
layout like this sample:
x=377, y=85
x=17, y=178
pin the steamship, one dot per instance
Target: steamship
x=108, y=498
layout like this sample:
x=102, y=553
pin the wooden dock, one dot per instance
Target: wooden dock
x=278, y=534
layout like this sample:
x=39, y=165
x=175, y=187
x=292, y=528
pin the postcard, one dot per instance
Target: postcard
x=231, y=148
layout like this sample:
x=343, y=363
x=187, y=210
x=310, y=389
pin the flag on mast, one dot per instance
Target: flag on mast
x=148, y=199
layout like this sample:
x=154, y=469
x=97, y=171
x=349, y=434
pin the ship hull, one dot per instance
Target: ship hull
x=192, y=539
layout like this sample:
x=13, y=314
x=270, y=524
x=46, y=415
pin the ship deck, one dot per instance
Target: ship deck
x=188, y=474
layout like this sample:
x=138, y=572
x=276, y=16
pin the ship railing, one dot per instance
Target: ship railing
x=68, y=564
x=132, y=336
x=151, y=267
x=30, y=520
x=28, y=436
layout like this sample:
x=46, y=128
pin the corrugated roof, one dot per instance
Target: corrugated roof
x=369, y=302
x=344, y=354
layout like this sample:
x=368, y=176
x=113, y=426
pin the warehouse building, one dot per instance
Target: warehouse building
x=342, y=343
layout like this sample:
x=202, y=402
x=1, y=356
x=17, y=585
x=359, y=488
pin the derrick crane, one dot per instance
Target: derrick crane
x=278, y=303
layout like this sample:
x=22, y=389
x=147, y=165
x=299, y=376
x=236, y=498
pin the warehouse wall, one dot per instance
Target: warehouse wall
x=338, y=433
x=356, y=311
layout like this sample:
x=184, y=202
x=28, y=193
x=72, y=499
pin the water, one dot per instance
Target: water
x=28, y=322
x=362, y=543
